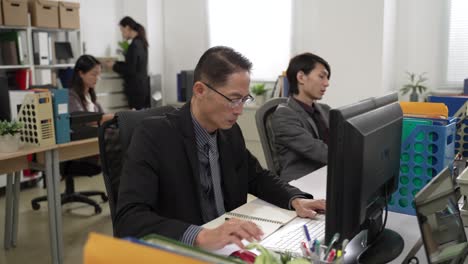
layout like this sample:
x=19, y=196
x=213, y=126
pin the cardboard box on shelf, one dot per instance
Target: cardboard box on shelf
x=15, y=12
x=69, y=14
x=44, y=13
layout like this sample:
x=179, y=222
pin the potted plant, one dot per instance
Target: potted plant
x=415, y=85
x=123, y=45
x=10, y=135
x=259, y=92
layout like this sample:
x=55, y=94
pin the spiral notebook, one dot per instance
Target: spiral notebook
x=267, y=216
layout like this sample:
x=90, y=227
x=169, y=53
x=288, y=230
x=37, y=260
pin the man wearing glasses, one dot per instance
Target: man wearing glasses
x=190, y=166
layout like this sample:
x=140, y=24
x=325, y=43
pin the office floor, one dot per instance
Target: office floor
x=33, y=229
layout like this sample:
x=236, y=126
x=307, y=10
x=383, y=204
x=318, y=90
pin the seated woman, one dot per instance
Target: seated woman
x=82, y=96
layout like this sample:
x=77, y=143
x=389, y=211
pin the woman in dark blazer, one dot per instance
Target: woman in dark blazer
x=134, y=69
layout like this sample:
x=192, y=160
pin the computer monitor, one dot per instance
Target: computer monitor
x=440, y=221
x=363, y=170
x=63, y=51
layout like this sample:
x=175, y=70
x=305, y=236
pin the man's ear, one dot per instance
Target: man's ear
x=300, y=77
x=198, y=89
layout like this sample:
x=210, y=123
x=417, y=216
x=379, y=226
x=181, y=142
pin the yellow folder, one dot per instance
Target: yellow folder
x=100, y=249
x=420, y=109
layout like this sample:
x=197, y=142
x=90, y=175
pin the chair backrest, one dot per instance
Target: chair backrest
x=114, y=138
x=263, y=120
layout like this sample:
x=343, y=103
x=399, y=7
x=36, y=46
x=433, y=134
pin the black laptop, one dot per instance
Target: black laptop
x=440, y=222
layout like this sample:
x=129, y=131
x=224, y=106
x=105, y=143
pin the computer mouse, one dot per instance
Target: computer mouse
x=245, y=255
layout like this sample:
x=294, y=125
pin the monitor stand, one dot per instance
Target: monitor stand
x=388, y=246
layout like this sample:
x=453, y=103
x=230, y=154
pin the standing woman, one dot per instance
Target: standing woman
x=135, y=68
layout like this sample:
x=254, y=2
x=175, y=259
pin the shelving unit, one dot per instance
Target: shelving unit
x=14, y=67
x=54, y=66
x=71, y=35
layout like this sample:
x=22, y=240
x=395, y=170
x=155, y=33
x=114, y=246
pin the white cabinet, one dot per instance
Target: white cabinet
x=109, y=93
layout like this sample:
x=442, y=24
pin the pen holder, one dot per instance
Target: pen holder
x=315, y=259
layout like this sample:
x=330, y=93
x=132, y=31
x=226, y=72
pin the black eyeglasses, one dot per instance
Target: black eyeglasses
x=233, y=103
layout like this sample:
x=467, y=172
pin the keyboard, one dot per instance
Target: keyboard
x=289, y=237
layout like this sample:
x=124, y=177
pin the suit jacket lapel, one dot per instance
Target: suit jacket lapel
x=294, y=105
x=185, y=123
x=228, y=177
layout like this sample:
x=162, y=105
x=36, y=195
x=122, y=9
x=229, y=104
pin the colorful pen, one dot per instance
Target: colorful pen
x=338, y=254
x=335, y=238
x=314, y=245
x=345, y=243
x=307, y=235
x=331, y=256
x=317, y=248
x=304, y=249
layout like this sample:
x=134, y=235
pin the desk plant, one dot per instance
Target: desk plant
x=259, y=92
x=415, y=85
x=10, y=135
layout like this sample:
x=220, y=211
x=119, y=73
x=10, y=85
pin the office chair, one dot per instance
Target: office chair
x=114, y=138
x=72, y=168
x=263, y=120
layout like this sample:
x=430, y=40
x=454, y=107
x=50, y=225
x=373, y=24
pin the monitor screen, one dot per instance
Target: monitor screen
x=440, y=222
x=63, y=51
x=363, y=170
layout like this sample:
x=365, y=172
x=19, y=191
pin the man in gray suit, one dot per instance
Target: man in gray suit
x=300, y=126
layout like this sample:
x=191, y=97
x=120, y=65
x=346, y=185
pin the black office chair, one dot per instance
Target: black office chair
x=114, y=138
x=70, y=169
x=265, y=131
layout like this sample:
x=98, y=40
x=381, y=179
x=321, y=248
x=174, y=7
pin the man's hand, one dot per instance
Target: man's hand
x=232, y=231
x=308, y=207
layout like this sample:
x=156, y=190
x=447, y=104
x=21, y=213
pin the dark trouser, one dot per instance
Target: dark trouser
x=138, y=101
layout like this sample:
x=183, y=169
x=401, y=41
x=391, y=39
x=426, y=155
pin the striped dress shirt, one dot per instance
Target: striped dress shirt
x=212, y=202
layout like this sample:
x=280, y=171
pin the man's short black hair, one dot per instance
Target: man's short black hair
x=217, y=63
x=304, y=62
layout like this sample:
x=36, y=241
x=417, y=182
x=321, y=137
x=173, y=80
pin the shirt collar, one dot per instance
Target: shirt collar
x=202, y=137
x=307, y=108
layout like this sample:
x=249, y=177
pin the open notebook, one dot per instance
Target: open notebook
x=267, y=216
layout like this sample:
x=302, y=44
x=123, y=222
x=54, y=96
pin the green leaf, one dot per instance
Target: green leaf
x=258, y=89
x=6, y=127
x=414, y=85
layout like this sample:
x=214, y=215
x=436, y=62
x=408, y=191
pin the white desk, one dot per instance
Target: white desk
x=406, y=225
x=315, y=183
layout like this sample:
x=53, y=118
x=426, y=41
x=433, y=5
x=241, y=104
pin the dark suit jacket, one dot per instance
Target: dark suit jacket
x=300, y=151
x=134, y=71
x=160, y=186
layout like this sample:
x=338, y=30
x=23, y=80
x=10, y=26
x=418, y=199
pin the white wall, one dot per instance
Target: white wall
x=99, y=30
x=349, y=35
x=389, y=46
x=421, y=40
x=185, y=39
x=155, y=28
